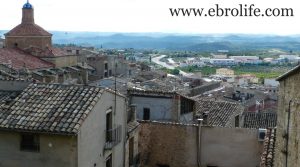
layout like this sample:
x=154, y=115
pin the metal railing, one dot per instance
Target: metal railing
x=113, y=137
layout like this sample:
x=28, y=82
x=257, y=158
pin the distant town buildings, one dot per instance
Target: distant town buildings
x=246, y=59
x=225, y=72
x=222, y=62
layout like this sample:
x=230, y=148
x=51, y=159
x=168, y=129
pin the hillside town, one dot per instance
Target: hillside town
x=81, y=106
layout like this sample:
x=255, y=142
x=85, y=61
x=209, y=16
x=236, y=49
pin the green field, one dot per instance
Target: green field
x=260, y=71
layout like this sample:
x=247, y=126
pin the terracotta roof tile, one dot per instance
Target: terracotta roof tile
x=219, y=113
x=20, y=59
x=50, y=108
x=267, y=157
x=260, y=119
x=28, y=30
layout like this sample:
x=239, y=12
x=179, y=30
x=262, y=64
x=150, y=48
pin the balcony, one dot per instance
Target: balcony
x=113, y=137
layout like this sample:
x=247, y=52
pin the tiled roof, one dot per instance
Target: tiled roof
x=20, y=59
x=48, y=52
x=6, y=97
x=151, y=93
x=260, y=119
x=28, y=30
x=50, y=108
x=267, y=157
x=287, y=74
x=219, y=113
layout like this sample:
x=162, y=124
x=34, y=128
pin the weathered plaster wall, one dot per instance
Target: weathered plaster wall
x=25, y=42
x=176, y=145
x=62, y=152
x=163, y=109
x=63, y=61
x=91, y=139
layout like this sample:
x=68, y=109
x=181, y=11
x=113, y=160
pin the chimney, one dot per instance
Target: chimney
x=205, y=118
x=132, y=114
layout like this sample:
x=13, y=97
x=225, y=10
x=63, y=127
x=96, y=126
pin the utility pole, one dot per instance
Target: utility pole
x=115, y=108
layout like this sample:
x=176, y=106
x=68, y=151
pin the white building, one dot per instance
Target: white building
x=222, y=62
x=246, y=59
x=220, y=56
x=289, y=57
x=271, y=82
x=205, y=59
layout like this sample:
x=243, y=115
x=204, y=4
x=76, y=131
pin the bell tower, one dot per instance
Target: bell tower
x=27, y=13
x=28, y=34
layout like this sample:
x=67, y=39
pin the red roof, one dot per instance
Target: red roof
x=59, y=52
x=20, y=59
x=28, y=30
x=48, y=52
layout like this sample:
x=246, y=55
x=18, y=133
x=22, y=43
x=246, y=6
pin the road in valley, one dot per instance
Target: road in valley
x=168, y=66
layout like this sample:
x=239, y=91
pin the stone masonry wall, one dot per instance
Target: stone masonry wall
x=25, y=42
x=175, y=145
x=289, y=90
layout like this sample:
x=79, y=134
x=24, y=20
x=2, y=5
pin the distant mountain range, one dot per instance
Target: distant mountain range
x=188, y=42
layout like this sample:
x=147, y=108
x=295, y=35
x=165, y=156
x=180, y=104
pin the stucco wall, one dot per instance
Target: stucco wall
x=160, y=108
x=135, y=136
x=63, y=61
x=61, y=154
x=7, y=85
x=176, y=145
x=289, y=90
x=91, y=139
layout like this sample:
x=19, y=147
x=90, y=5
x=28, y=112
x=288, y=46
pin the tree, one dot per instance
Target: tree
x=175, y=72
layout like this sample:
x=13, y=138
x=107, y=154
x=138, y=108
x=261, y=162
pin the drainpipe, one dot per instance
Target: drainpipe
x=287, y=134
x=199, y=142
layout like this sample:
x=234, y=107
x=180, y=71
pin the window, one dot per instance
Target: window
x=106, y=66
x=109, y=127
x=146, y=115
x=237, y=121
x=186, y=106
x=30, y=142
x=162, y=165
x=109, y=161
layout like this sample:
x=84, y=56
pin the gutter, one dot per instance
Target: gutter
x=199, y=142
x=287, y=135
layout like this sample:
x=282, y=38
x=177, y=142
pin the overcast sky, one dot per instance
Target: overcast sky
x=148, y=16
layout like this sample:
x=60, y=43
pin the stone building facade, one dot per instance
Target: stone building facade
x=288, y=121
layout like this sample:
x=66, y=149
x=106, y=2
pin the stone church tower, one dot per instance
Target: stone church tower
x=28, y=34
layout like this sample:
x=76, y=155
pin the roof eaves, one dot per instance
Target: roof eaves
x=287, y=74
